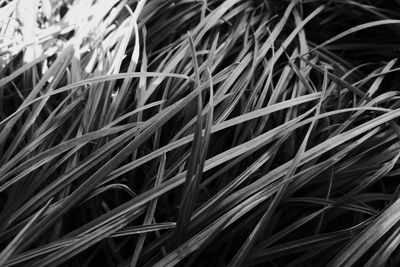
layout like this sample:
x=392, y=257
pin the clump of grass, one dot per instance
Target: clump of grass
x=199, y=133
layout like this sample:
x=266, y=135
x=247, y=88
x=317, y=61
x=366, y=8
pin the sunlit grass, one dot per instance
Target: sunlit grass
x=199, y=133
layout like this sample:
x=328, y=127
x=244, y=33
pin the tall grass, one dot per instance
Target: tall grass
x=199, y=133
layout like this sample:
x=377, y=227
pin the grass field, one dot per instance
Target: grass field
x=199, y=133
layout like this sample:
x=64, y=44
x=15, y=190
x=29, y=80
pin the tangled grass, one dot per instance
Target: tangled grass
x=199, y=133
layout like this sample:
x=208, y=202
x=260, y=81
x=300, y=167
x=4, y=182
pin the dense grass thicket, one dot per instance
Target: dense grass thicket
x=199, y=133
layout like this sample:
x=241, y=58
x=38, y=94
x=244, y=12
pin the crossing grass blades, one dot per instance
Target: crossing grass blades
x=199, y=133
